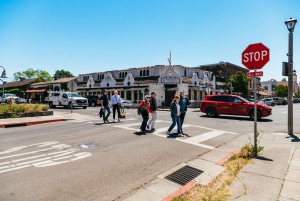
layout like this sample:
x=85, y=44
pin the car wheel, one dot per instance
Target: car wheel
x=211, y=112
x=273, y=104
x=251, y=115
x=69, y=105
x=283, y=103
x=84, y=107
x=93, y=104
x=51, y=105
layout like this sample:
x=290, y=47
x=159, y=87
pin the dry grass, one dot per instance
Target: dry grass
x=218, y=189
x=20, y=108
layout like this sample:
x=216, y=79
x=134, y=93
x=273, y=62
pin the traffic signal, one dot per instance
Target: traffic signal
x=285, y=68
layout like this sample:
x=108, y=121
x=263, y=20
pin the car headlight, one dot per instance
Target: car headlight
x=74, y=101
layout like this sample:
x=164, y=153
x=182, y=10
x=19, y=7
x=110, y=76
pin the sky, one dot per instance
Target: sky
x=86, y=36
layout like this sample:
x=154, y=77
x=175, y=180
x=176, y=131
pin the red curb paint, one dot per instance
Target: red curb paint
x=29, y=123
x=180, y=191
x=226, y=158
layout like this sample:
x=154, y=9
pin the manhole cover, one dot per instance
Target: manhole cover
x=184, y=175
x=88, y=145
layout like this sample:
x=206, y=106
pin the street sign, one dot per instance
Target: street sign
x=72, y=86
x=255, y=56
x=255, y=74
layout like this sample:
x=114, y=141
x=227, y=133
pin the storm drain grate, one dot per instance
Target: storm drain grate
x=184, y=175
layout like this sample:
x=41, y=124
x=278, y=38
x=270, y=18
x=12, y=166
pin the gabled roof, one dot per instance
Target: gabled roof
x=61, y=80
x=19, y=83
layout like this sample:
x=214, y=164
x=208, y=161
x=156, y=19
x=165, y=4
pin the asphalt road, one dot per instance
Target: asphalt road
x=64, y=168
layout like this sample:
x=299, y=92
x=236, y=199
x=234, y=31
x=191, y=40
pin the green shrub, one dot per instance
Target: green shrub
x=18, y=108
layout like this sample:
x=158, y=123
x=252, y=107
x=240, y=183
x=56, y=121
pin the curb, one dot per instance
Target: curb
x=192, y=184
x=28, y=123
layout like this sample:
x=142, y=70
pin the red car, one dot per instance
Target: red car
x=214, y=105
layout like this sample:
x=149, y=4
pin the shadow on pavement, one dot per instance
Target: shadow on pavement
x=295, y=138
x=263, y=158
x=237, y=118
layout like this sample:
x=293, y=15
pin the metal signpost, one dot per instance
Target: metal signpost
x=72, y=86
x=254, y=57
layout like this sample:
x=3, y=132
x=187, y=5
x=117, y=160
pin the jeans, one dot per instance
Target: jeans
x=108, y=112
x=182, y=115
x=175, y=119
x=151, y=122
x=144, y=123
x=116, y=107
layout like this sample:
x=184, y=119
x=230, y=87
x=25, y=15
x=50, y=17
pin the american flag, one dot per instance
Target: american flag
x=169, y=59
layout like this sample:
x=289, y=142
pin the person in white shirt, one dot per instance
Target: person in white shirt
x=116, y=103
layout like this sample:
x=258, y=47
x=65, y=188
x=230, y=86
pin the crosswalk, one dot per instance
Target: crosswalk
x=39, y=155
x=195, y=140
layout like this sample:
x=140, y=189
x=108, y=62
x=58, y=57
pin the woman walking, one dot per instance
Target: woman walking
x=116, y=103
x=144, y=107
x=175, y=115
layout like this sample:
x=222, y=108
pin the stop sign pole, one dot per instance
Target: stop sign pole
x=254, y=57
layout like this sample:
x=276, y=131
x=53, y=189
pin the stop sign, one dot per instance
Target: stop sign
x=255, y=56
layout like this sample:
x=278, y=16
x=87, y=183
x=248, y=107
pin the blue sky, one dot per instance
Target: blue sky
x=84, y=36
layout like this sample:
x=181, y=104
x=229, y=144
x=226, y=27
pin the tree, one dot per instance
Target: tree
x=283, y=79
x=297, y=95
x=62, y=74
x=281, y=91
x=30, y=73
x=239, y=82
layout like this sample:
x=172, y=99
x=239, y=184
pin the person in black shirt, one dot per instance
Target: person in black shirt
x=153, y=111
x=105, y=105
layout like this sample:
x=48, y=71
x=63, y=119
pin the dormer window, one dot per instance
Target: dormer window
x=85, y=78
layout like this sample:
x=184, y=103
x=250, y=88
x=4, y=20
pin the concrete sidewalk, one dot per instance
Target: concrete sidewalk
x=27, y=121
x=273, y=175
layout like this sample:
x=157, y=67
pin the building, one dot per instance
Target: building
x=134, y=83
x=19, y=87
x=38, y=91
x=295, y=84
x=269, y=85
x=222, y=72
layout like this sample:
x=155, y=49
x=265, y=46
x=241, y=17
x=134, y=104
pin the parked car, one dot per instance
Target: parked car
x=126, y=103
x=296, y=100
x=268, y=101
x=280, y=101
x=214, y=105
x=15, y=99
x=93, y=100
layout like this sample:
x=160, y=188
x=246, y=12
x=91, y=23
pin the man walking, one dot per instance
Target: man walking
x=153, y=111
x=183, y=102
x=105, y=105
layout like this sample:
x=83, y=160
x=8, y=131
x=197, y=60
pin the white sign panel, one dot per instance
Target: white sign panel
x=170, y=80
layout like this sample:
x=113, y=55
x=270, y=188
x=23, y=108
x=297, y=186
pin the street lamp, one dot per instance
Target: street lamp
x=290, y=26
x=3, y=76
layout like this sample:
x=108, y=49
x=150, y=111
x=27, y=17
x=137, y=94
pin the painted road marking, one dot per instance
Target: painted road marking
x=42, y=160
x=192, y=140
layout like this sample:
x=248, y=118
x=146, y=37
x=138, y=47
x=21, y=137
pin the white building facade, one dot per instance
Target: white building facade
x=134, y=83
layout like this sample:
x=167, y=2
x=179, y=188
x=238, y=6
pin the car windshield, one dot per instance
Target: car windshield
x=73, y=94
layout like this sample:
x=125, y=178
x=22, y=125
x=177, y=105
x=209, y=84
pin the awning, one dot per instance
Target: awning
x=35, y=90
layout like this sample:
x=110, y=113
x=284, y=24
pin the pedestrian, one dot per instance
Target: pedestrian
x=144, y=107
x=175, y=115
x=153, y=111
x=116, y=103
x=105, y=105
x=183, y=102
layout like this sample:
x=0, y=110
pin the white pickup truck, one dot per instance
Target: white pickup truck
x=66, y=99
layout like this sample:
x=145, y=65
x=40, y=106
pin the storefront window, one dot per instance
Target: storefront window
x=190, y=94
x=128, y=95
x=122, y=94
x=195, y=95
x=141, y=95
x=135, y=95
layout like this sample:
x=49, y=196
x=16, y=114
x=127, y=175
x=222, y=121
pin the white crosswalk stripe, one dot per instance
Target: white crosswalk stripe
x=212, y=133
x=54, y=155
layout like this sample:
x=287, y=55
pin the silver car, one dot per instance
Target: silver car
x=126, y=103
x=268, y=101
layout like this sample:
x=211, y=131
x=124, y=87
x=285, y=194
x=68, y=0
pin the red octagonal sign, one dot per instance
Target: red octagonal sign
x=255, y=56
